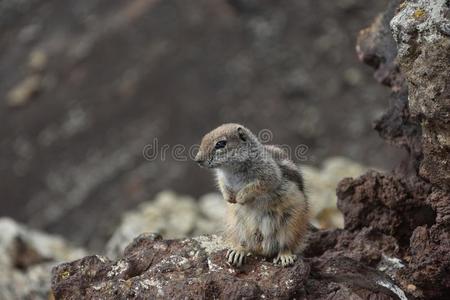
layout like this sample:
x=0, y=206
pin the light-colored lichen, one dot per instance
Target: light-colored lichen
x=419, y=14
x=389, y=265
x=147, y=283
x=211, y=244
x=101, y=258
x=423, y=18
x=389, y=262
x=117, y=268
x=392, y=287
x=212, y=266
x=99, y=286
x=64, y=275
x=177, y=261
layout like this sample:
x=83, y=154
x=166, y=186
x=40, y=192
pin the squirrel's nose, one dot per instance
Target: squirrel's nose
x=199, y=159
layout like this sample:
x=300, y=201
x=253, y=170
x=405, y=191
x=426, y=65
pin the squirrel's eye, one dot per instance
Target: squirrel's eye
x=220, y=144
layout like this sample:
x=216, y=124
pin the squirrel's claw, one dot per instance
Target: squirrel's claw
x=285, y=259
x=236, y=257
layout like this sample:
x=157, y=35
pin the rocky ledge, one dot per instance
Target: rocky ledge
x=196, y=268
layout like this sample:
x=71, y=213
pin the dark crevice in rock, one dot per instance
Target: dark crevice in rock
x=25, y=256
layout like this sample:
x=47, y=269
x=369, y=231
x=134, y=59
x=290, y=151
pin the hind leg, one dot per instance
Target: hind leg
x=294, y=222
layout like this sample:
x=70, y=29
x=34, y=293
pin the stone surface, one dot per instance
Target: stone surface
x=172, y=216
x=26, y=259
x=419, y=29
x=321, y=186
x=197, y=269
x=411, y=204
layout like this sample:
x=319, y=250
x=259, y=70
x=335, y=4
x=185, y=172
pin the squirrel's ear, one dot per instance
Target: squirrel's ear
x=242, y=134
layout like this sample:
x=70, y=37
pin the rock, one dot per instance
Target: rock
x=26, y=259
x=321, y=188
x=170, y=215
x=424, y=59
x=196, y=268
x=38, y=60
x=376, y=47
x=382, y=201
x=408, y=211
x=24, y=91
x=412, y=203
x=212, y=211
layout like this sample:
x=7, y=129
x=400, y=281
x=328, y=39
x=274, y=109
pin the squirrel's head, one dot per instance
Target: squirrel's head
x=226, y=146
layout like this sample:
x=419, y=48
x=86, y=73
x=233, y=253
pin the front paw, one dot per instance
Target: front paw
x=236, y=257
x=242, y=197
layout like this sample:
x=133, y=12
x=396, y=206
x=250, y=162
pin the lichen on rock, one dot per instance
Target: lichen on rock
x=424, y=59
x=196, y=268
x=410, y=204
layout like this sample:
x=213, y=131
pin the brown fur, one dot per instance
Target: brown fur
x=291, y=221
x=209, y=140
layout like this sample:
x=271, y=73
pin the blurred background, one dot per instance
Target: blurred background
x=85, y=85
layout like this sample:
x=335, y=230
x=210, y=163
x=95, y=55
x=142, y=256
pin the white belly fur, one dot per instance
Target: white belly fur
x=235, y=183
x=253, y=218
x=251, y=221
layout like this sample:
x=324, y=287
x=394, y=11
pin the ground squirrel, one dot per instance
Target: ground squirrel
x=267, y=206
